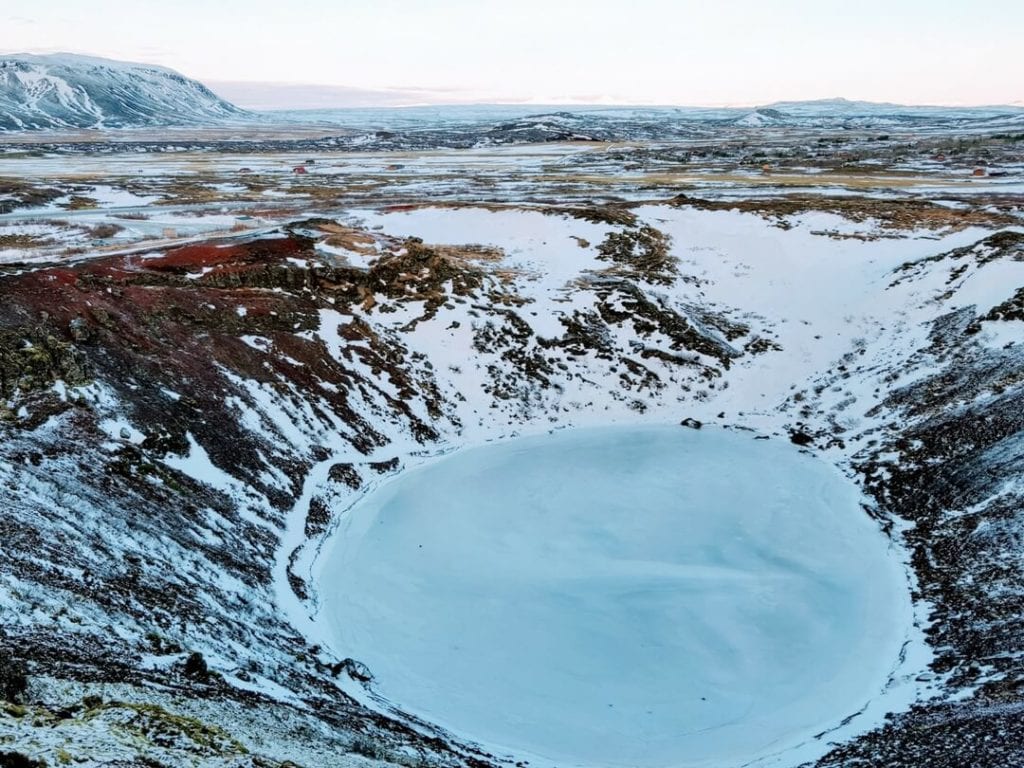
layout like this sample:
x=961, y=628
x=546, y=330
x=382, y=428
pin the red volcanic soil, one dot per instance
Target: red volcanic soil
x=176, y=321
x=205, y=255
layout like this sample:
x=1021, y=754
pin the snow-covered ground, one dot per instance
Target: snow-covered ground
x=650, y=596
x=269, y=390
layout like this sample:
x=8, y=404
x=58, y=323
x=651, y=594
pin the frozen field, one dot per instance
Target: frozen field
x=633, y=596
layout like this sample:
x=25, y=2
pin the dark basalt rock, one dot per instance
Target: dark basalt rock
x=13, y=678
x=798, y=437
x=196, y=667
x=19, y=760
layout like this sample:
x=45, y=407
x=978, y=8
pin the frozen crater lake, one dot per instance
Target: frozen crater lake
x=643, y=596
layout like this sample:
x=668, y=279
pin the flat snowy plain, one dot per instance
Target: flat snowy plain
x=621, y=596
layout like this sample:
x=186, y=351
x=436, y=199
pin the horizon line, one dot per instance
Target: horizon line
x=512, y=101
x=507, y=101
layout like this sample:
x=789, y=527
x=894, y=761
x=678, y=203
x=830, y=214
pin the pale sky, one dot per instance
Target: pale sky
x=683, y=52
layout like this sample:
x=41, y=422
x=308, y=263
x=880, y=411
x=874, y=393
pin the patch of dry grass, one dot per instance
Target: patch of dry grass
x=897, y=214
x=23, y=242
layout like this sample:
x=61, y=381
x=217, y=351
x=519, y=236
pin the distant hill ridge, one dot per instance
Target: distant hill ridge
x=71, y=91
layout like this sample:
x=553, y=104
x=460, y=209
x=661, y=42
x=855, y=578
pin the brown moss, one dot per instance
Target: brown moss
x=32, y=359
x=641, y=253
x=896, y=214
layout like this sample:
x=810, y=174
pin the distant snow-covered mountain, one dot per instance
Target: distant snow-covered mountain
x=66, y=91
x=474, y=124
x=846, y=108
x=761, y=116
x=70, y=91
